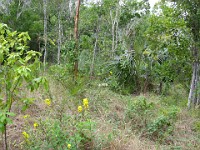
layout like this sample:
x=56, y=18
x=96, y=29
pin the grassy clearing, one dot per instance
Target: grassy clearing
x=113, y=121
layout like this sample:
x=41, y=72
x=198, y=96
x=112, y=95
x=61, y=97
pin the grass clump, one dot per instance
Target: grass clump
x=163, y=126
x=150, y=120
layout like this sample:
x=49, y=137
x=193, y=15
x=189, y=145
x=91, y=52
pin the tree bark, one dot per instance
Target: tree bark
x=45, y=32
x=70, y=8
x=59, y=37
x=94, y=52
x=113, y=33
x=117, y=26
x=192, y=98
x=197, y=101
x=76, y=39
x=160, y=87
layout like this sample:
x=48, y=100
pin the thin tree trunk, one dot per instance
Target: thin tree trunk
x=39, y=44
x=59, y=37
x=196, y=84
x=5, y=124
x=192, y=98
x=113, y=34
x=160, y=87
x=76, y=40
x=70, y=8
x=45, y=32
x=94, y=52
x=192, y=87
x=117, y=27
x=5, y=138
x=197, y=101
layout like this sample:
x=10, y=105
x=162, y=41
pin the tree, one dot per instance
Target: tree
x=45, y=32
x=167, y=44
x=76, y=39
x=190, y=11
x=17, y=66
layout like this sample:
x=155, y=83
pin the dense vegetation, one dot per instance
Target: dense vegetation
x=114, y=74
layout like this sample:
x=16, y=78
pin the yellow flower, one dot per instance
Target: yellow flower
x=68, y=146
x=80, y=108
x=26, y=116
x=111, y=72
x=85, y=103
x=26, y=135
x=35, y=125
x=47, y=102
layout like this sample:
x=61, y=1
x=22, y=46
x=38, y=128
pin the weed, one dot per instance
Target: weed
x=139, y=112
x=163, y=126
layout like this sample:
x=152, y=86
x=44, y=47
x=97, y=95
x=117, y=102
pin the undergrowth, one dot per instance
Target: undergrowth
x=61, y=119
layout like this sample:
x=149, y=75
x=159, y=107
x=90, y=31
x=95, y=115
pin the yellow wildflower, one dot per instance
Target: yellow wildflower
x=146, y=52
x=85, y=103
x=47, y=102
x=68, y=146
x=111, y=72
x=80, y=108
x=35, y=125
x=26, y=116
x=26, y=135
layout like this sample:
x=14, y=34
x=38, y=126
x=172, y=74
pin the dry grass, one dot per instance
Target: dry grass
x=108, y=110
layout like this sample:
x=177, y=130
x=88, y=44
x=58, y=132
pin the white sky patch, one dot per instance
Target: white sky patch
x=153, y=2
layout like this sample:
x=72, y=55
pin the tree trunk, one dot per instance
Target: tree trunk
x=59, y=37
x=197, y=102
x=5, y=137
x=94, y=52
x=160, y=87
x=117, y=26
x=192, y=98
x=45, y=32
x=70, y=8
x=76, y=40
x=113, y=33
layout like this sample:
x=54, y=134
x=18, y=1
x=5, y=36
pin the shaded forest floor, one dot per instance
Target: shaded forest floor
x=113, y=130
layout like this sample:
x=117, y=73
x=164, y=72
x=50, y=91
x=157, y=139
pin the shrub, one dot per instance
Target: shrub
x=18, y=67
x=163, y=126
x=196, y=126
x=139, y=112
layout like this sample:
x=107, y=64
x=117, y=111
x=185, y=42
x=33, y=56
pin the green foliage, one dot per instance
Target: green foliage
x=16, y=15
x=139, y=112
x=168, y=41
x=4, y=119
x=163, y=126
x=77, y=130
x=123, y=73
x=151, y=121
x=175, y=96
x=119, y=42
x=18, y=67
x=160, y=128
x=62, y=73
x=196, y=126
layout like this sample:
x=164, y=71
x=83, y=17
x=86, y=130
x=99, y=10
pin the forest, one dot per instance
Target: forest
x=99, y=75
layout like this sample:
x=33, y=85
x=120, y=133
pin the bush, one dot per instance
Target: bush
x=123, y=73
x=196, y=126
x=151, y=121
x=163, y=126
x=139, y=112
